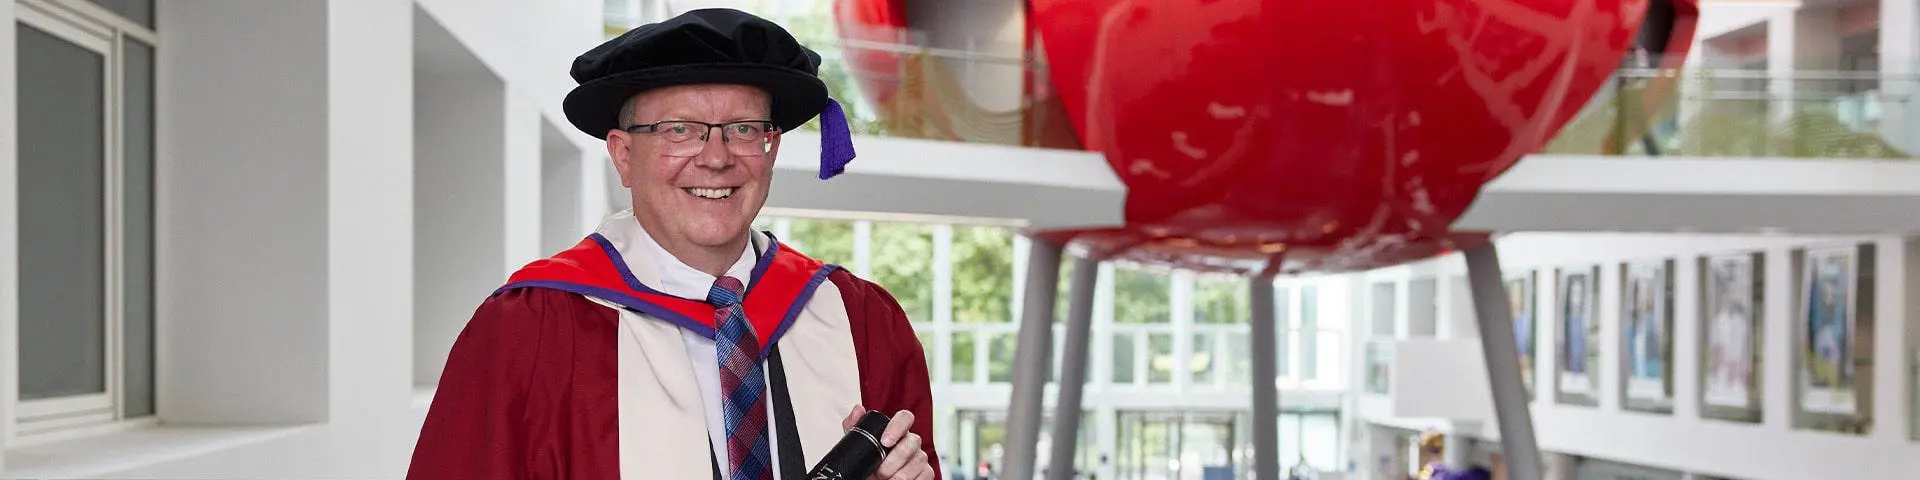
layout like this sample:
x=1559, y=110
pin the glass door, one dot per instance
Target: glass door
x=1177, y=445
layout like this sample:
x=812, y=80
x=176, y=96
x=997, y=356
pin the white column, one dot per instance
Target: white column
x=1900, y=61
x=521, y=184
x=370, y=192
x=9, y=229
x=1780, y=64
x=286, y=285
x=1893, y=264
x=595, y=173
x=1799, y=40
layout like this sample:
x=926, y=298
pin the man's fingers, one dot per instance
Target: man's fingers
x=897, y=428
x=852, y=418
x=917, y=468
x=900, y=459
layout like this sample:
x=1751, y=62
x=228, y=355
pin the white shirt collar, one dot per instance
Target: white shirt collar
x=676, y=278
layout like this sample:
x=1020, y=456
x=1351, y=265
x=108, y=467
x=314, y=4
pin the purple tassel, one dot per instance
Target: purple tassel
x=836, y=141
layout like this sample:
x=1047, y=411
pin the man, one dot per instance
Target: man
x=674, y=342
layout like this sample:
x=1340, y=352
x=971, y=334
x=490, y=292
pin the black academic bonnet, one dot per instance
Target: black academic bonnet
x=706, y=46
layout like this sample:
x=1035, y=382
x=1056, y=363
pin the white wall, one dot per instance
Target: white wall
x=285, y=185
x=368, y=209
x=242, y=180
x=460, y=217
x=9, y=228
x=561, y=199
x=529, y=43
x=1683, y=440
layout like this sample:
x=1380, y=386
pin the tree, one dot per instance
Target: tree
x=1220, y=300
x=829, y=241
x=902, y=262
x=982, y=275
x=1141, y=296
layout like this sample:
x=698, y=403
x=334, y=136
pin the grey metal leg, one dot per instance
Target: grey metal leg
x=1266, y=396
x=1521, y=452
x=1031, y=358
x=1073, y=369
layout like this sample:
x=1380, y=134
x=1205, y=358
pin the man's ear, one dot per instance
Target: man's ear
x=618, y=153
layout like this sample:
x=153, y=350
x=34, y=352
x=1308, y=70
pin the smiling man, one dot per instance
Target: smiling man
x=675, y=342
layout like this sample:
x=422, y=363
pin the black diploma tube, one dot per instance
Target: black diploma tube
x=857, y=454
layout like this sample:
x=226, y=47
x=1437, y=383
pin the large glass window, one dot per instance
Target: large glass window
x=902, y=262
x=85, y=202
x=1141, y=296
x=982, y=275
x=827, y=240
x=1220, y=300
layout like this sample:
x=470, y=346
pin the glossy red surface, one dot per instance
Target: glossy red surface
x=879, y=22
x=1328, y=135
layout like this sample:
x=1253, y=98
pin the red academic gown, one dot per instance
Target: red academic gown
x=573, y=370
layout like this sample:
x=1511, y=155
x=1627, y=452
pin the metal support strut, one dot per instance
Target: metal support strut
x=1031, y=358
x=1073, y=369
x=1266, y=395
x=1495, y=317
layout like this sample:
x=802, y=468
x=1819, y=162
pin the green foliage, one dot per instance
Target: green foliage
x=1141, y=296
x=903, y=264
x=1065, y=287
x=829, y=241
x=1000, y=357
x=962, y=366
x=1160, y=360
x=1220, y=300
x=982, y=275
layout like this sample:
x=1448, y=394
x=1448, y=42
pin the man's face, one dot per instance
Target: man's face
x=687, y=195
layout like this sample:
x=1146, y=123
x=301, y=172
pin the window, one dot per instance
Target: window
x=982, y=275
x=826, y=240
x=1220, y=300
x=1141, y=296
x=86, y=212
x=902, y=262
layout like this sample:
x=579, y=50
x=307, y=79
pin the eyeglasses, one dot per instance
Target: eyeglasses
x=686, y=138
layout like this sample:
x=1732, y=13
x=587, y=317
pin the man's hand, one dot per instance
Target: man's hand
x=905, y=459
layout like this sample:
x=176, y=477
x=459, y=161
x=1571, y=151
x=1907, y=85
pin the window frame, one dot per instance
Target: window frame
x=105, y=33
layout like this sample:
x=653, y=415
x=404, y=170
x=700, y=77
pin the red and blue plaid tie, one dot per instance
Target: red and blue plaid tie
x=749, y=457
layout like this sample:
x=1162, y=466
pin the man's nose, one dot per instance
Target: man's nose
x=713, y=151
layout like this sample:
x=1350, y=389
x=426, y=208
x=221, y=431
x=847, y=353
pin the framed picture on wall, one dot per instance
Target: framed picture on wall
x=1577, y=336
x=1646, y=336
x=1833, y=344
x=1732, y=293
x=1520, y=301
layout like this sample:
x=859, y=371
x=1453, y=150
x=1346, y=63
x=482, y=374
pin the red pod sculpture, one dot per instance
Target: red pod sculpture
x=1315, y=135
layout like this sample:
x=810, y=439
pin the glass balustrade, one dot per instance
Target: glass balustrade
x=1706, y=112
